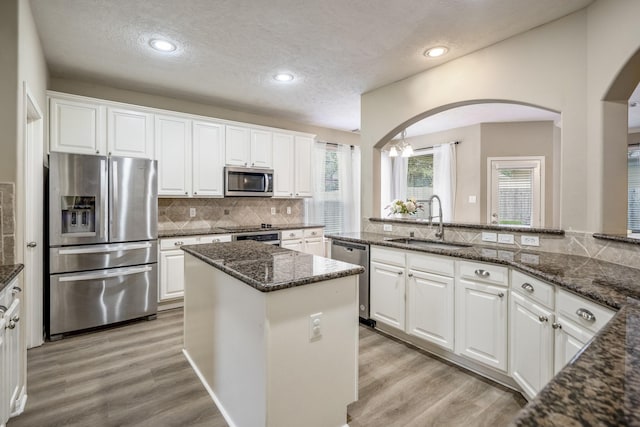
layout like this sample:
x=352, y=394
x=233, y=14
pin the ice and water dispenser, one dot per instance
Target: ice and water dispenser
x=78, y=215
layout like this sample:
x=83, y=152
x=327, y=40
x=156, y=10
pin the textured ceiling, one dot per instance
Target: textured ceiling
x=230, y=49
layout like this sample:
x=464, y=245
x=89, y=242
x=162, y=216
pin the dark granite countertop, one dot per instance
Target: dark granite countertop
x=601, y=385
x=415, y=221
x=270, y=268
x=7, y=273
x=237, y=229
x=617, y=238
x=601, y=281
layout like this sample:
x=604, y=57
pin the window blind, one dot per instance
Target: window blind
x=633, y=210
x=515, y=196
x=420, y=177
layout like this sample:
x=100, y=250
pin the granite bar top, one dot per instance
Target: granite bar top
x=601, y=281
x=417, y=221
x=617, y=238
x=270, y=268
x=601, y=387
x=219, y=230
x=7, y=273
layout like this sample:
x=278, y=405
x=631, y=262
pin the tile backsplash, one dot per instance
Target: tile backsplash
x=7, y=223
x=174, y=213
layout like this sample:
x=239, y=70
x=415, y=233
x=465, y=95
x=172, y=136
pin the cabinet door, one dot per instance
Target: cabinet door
x=237, y=146
x=387, y=286
x=302, y=167
x=430, y=300
x=129, y=133
x=569, y=340
x=314, y=246
x=14, y=354
x=171, y=274
x=76, y=127
x=208, y=158
x=481, y=331
x=294, y=245
x=261, y=149
x=173, y=145
x=531, y=344
x=283, y=165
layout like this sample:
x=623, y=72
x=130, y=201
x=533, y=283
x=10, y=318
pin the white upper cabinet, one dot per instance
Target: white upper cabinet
x=77, y=127
x=173, y=151
x=292, y=165
x=248, y=147
x=261, y=149
x=129, y=132
x=238, y=146
x=208, y=158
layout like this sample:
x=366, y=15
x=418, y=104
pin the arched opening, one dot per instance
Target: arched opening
x=490, y=177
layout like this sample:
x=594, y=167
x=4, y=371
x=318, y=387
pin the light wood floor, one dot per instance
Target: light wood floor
x=137, y=376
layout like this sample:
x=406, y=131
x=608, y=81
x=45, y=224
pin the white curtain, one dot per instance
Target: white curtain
x=399, y=169
x=444, y=178
x=336, y=188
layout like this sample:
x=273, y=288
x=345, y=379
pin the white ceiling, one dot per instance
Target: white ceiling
x=228, y=50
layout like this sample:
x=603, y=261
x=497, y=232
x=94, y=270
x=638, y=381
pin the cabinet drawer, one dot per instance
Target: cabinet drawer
x=388, y=256
x=176, y=242
x=313, y=232
x=484, y=272
x=585, y=313
x=533, y=288
x=215, y=238
x=431, y=264
x=291, y=234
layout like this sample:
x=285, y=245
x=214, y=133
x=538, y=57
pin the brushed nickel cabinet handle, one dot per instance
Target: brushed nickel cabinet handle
x=482, y=273
x=556, y=325
x=586, y=315
x=3, y=309
x=16, y=290
x=543, y=318
x=527, y=287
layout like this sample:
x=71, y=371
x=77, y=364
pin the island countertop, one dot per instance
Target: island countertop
x=270, y=268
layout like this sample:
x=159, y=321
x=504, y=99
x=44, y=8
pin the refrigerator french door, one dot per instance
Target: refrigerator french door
x=103, y=241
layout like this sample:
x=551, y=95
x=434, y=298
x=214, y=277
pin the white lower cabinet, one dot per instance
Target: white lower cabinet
x=308, y=240
x=531, y=344
x=569, y=340
x=13, y=355
x=387, y=294
x=171, y=263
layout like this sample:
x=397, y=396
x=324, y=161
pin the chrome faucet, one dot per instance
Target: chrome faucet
x=440, y=232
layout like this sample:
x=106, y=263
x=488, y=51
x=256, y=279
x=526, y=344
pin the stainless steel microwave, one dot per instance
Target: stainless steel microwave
x=248, y=182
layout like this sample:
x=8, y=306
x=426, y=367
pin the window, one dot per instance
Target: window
x=633, y=170
x=515, y=191
x=420, y=176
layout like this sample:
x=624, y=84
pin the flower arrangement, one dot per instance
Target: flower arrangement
x=410, y=207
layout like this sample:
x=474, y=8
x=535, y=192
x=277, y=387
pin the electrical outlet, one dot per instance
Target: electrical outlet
x=192, y=212
x=273, y=211
x=530, y=240
x=315, y=327
x=288, y=210
x=489, y=237
x=506, y=238
x=472, y=199
x=387, y=227
x=226, y=211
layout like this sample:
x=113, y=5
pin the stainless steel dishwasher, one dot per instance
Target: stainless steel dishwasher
x=355, y=253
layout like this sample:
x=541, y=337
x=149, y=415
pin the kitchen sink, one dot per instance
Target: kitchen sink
x=430, y=244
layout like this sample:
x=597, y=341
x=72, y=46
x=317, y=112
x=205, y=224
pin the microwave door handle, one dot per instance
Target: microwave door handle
x=266, y=182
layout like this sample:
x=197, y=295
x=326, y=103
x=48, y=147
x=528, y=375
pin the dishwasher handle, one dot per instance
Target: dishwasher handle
x=349, y=246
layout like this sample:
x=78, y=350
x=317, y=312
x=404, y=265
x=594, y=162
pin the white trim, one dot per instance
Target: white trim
x=537, y=162
x=223, y=411
x=33, y=130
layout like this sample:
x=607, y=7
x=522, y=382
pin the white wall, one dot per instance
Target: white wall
x=567, y=66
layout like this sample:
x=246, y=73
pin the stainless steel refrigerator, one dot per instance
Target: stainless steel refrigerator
x=102, y=224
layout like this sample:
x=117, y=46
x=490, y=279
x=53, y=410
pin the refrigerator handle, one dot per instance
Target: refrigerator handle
x=100, y=250
x=104, y=197
x=98, y=276
x=113, y=182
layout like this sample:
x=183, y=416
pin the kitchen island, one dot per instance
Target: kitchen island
x=272, y=333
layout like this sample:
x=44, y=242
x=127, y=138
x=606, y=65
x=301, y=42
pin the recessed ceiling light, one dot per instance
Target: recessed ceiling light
x=283, y=77
x=162, y=45
x=435, y=52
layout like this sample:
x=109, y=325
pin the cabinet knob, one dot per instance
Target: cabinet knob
x=410, y=274
x=586, y=315
x=543, y=318
x=178, y=243
x=291, y=194
x=109, y=152
x=97, y=151
x=556, y=325
x=32, y=244
x=245, y=163
x=15, y=319
x=253, y=164
x=482, y=273
x=11, y=325
x=195, y=192
x=527, y=287
x=400, y=273
x=16, y=290
x=501, y=294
